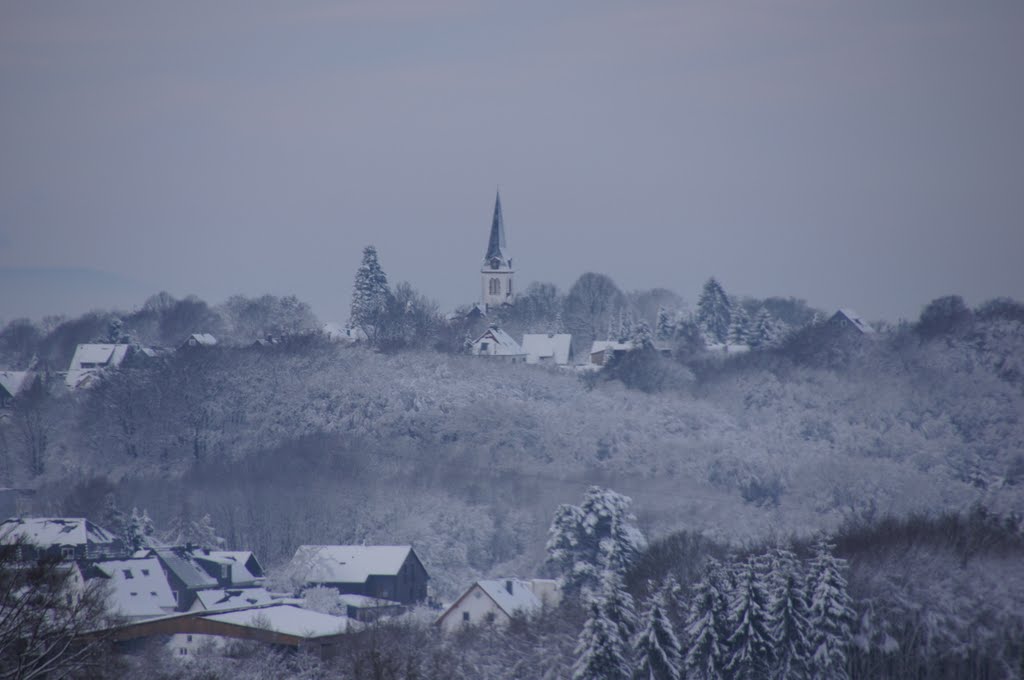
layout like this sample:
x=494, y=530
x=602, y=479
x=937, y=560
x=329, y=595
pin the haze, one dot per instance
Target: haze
x=865, y=154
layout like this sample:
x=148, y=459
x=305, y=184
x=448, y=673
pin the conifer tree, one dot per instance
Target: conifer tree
x=831, y=614
x=763, y=332
x=750, y=644
x=656, y=648
x=641, y=337
x=602, y=652
x=370, y=294
x=788, y=616
x=138, y=532
x=707, y=626
x=714, y=312
x=664, y=327
x=738, y=323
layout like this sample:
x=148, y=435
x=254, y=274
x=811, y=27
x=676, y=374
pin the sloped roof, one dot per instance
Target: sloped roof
x=287, y=619
x=233, y=598
x=855, y=319
x=100, y=354
x=48, y=531
x=137, y=588
x=521, y=599
x=185, y=568
x=496, y=242
x=504, y=345
x=204, y=339
x=601, y=345
x=13, y=381
x=544, y=345
x=238, y=559
x=347, y=563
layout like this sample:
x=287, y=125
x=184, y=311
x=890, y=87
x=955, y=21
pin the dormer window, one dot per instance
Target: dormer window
x=495, y=263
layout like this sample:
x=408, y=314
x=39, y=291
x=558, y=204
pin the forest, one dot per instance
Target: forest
x=905, y=450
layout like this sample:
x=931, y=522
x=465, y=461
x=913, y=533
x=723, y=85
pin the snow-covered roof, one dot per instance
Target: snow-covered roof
x=521, y=598
x=97, y=355
x=602, y=345
x=238, y=559
x=342, y=333
x=137, y=588
x=286, y=619
x=50, y=531
x=185, y=568
x=554, y=346
x=347, y=563
x=855, y=319
x=203, y=339
x=233, y=598
x=499, y=342
x=13, y=381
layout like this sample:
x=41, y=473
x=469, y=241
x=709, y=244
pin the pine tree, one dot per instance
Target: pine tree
x=831, y=614
x=738, y=323
x=788, y=616
x=664, y=327
x=370, y=294
x=714, y=312
x=750, y=644
x=763, y=330
x=656, y=648
x=602, y=652
x=707, y=625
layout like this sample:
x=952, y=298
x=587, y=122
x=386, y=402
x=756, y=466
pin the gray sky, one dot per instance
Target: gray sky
x=865, y=154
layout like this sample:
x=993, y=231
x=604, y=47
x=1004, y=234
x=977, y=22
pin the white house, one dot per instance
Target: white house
x=847, y=319
x=345, y=334
x=199, y=340
x=91, y=358
x=497, y=601
x=548, y=348
x=137, y=589
x=496, y=343
x=11, y=384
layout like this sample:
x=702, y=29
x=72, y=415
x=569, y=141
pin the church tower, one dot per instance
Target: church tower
x=496, y=274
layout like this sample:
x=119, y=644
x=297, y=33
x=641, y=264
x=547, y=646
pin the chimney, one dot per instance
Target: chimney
x=508, y=586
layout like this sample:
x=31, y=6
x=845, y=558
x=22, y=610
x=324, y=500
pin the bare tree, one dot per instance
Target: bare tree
x=588, y=305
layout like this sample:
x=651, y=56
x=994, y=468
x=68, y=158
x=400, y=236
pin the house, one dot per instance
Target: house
x=344, y=334
x=367, y=609
x=849, y=320
x=91, y=358
x=602, y=349
x=243, y=567
x=230, y=598
x=497, y=601
x=548, y=348
x=281, y=626
x=388, y=572
x=198, y=340
x=496, y=343
x=13, y=383
x=67, y=538
x=137, y=588
x=185, y=575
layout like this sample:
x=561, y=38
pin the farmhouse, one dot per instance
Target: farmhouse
x=497, y=601
x=91, y=358
x=849, y=320
x=498, y=344
x=137, y=588
x=67, y=538
x=12, y=383
x=548, y=348
x=388, y=572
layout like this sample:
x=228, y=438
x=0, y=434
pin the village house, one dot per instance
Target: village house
x=849, y=320
x=387, y=572
x=553, y=349
x=136, y=588
x=498, y=344
x=602, y=350
x=91, y=358
x=197, y=340
x=216, y=599
x=66, y=538
x=495, y=602
x=13, y=383
x=187, y=576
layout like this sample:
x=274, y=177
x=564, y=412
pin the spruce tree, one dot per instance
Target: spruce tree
x=790, y=626
x=656, y=648
x=750, y=644
x=714, y=312
x=707, y=626
x=370, y=294
x=602, y=651
x=664, y=327
x=738, y=323
x=831, y=614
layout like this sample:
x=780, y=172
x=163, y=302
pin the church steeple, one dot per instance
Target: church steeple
x=496, y=244
x=496, y=274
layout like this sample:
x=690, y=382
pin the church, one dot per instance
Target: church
x=496, y=274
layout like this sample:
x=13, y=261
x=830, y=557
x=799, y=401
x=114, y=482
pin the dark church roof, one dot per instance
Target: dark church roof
x=496, y=245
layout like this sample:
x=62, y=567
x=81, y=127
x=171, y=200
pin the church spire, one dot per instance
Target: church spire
x=496, y=244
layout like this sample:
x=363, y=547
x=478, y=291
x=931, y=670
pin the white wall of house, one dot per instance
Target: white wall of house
x=473, y=609
x=185, y=646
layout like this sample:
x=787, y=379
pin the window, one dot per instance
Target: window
x=225, y=570
x=183, y=652
x=127, y=573
x=484, y=346
x=510, y=286
x=67, y=553
x=465, y=616
x=189, y=638
x=145, y=572
x=494, y=286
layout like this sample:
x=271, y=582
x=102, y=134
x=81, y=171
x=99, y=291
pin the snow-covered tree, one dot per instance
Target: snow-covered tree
x=714, y=311
x=656, y=648
x=187, y=529
x=603, y=649
x=641, y=336
x=601, y=533
x=370, y=294
x=738, y=324
x=831, y=614
x=790, y=627
x=707, y=624
x=664, y=326
x=750, y=644
x=138, y=531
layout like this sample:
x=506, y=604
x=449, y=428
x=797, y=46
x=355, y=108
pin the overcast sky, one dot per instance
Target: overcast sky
x=862, y=154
